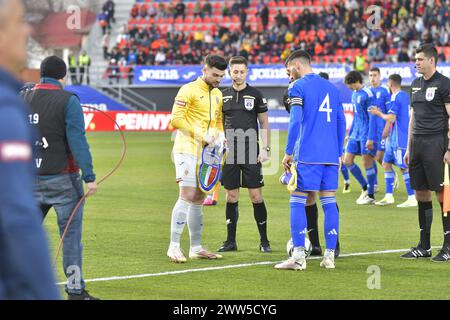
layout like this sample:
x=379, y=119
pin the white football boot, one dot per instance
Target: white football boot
x=328, y=260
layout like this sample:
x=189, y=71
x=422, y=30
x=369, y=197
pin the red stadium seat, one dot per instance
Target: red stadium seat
x=207, y=19
x=198, y=20
x=281, y=4
x=308, y=3
x=142, y=21
x=272, y=4
x=290, y=3
x=235, y=19
x=170, y=20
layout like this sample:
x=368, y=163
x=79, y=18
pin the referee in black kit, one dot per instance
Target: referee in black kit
x=428, y=147
x=243, y=107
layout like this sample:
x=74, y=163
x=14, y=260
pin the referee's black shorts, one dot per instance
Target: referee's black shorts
x=426, y=164
x=236, y=176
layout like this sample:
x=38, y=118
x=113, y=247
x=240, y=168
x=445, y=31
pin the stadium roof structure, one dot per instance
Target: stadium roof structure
x=53, y=31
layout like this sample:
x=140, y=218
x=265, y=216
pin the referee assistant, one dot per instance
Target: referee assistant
x=428, y=147
x=243, y=107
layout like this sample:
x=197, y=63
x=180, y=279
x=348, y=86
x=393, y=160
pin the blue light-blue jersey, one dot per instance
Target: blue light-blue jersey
x=317, y=121
x=362, y=99
x=382, y=99
x=400, y=107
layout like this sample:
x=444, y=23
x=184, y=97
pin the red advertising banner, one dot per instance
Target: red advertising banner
x=127, y=121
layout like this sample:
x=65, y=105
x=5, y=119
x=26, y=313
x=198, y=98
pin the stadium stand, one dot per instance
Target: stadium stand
x=183, y=32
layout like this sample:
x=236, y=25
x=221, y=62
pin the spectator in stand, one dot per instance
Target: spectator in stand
x=245, y=4
x=160, y=58
x=243, y=18
x=235, y=9
x=225, y=9
x=207, y=8
x=264, y=16
x=105, y=44
x=135, y=11
x=143, y=11
x=113, y=71
x=151, y=12
x=180, y=10
x=198, y=9
x=110, y=8
x=103, y=21
x=403, y=55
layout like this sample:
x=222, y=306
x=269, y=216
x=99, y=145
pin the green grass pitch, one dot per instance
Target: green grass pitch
x=127, y=225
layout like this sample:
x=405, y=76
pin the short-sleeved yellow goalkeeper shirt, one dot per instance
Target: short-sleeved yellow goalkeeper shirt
x=197, y=110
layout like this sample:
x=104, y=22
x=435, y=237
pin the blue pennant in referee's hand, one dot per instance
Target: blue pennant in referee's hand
x=209, y=171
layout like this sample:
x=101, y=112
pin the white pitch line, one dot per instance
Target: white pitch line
x=233, y=266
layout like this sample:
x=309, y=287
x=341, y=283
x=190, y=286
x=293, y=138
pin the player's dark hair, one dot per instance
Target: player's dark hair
x=375, y=69
x=396, y=78
x=429, y=50
x=324, y=75
x=238, y=60
x=353, y=77
x=298, y=54
x=216, y=61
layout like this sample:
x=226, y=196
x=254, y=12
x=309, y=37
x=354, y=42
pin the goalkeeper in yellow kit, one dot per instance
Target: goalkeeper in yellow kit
x=197, y=114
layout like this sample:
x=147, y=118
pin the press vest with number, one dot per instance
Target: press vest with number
x=48, y=105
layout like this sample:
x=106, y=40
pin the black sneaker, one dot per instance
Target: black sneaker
x=416, y=253
x=337, y=250
x=228, y=246
x=265, y=247
x=84, y=295
x=316, y=251
x=443, y=255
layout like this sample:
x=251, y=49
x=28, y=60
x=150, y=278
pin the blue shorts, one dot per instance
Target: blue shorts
x=394, y=156
x=317, y=177
x=381, y=145
x=359, y=147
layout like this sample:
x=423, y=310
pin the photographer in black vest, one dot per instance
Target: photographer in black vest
x=63, y=151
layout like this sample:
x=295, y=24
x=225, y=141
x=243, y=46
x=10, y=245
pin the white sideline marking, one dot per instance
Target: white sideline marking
x=242, y=265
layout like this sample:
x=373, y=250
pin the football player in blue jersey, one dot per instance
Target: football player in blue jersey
x=312, y=212
x=397, y=141
x=382, y=99
x=316, y=116
x=361, y=137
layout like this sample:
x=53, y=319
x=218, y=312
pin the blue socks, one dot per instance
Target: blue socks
x=389, y=177
x=344, y=172
x=370, y=172
x=331, y=223
x=356, y=171
x=408, y=184
x=298, y=219
x=376, y=171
